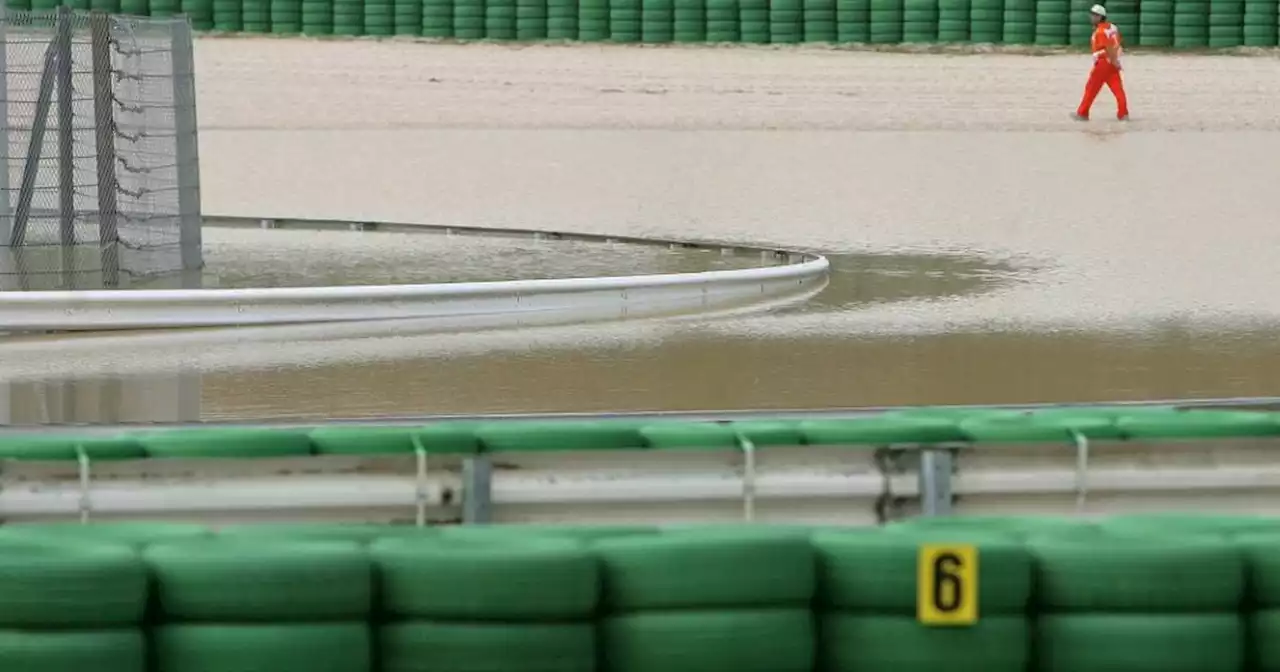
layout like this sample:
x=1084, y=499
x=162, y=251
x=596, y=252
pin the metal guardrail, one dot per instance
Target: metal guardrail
x=516, y=302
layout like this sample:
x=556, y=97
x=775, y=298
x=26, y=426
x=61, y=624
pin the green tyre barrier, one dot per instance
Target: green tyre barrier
x=657, y=26
x=468, y=24
x=624, y=27
x=1053, y=22
x=321, y=647
x=723, y=25
x=820, y=18
x=586, y=533
x=1140, y=642
x=228, y=16
x=379, y=18
x=594, y=21
x=562, y=20
x=1261, y=551
x=255, y=15
x=131, y=7
x=582, y=435
x=886, y=28
x=246, y=579
x=870, y=571
x=73, y=651
x=853, y=21
x=348, y=20
x=200, y=12
x=1179, y=524
x=786, y=21
x=885, y=643
x=157, y=9
x=1013, y=526
x=317, y=19
x=986, y=21
x=1094, y=571
x=19, y=4
x=1263, y=635
x=920, y=21
x=719, y=569
x=953, y=20
x=419, y=646
x=1191, y=24
x=1156, y=23
x=1260, y=24
x=70, y=585
x=760, y=640
x=754, y=21
x=286, y=17
x=134, y=534
x=111, y=6
x=407, y=17
x=521, y=578
x=363, y=533
x=531, y=20
x=690, y=21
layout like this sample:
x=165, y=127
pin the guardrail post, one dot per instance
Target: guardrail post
x=935, y=482
x=477, y=490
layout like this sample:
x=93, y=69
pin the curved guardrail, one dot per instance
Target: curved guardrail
x=494, y=303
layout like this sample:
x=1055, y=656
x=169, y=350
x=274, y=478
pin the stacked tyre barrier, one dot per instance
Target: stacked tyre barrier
x=1189, y=24
x=919, y=426
x=1148, y=593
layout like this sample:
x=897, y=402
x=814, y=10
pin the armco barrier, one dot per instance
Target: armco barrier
x=1163, y=593
x=443, y=305
x=867, y=468
x=1154, y=23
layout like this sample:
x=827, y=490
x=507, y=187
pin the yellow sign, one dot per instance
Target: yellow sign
x=947, y=588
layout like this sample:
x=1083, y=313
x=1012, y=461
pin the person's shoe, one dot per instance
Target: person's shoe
x=1079, y=117
x=1122, y=117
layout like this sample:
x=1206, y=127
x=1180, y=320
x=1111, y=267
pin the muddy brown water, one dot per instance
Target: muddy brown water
x=985, y=248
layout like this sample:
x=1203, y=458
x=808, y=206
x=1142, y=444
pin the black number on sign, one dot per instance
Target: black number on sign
x=946, y=582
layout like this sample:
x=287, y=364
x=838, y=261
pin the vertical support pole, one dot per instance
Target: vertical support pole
x=477, y=490
x=66, y=148
x=935, y=482
x=187, y=147
x=6, y=400
x=6, y=215
x=105, y=144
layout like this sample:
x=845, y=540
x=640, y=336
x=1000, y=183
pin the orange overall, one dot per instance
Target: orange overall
x=1104, y=71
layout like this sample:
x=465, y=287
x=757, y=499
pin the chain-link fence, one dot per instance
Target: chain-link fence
x=100, y=174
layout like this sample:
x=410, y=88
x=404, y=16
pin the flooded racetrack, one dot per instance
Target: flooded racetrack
x=985, y=248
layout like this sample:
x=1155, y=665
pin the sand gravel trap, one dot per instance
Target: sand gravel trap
x=295, y=83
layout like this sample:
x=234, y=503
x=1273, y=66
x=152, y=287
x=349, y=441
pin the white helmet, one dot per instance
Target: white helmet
x=1099, y=10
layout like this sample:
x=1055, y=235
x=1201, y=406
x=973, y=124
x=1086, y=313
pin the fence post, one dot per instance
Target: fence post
x=105, y=144
x=935, y=482
x=477, y=490
x=66, y=147
x=187, y=148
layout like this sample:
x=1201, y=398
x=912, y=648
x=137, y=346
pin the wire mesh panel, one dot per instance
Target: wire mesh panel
x=100, y=174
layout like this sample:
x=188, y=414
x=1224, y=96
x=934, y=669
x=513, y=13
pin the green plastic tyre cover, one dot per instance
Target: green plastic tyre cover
x=439, y=438
x=256, y=580
x=766, y=640
x=718, y=568
x=66, y=448
x=136, y=534
x=226, y=443
x=1140, y=642
x=1171, y=524
x=1032, y=427
x=1096, y=571
x=73, y=651
x=321, y=647
x=487, y=647
x=881, y=643
x=876, y=571
x=1262, y=558
x=550, y=435
x=1264, y=638
x=521, y=578
x=881, y=429
x=70, y=585
x=1199, y=424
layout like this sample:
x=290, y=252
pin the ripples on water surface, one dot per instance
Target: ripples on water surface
x=969, y=266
